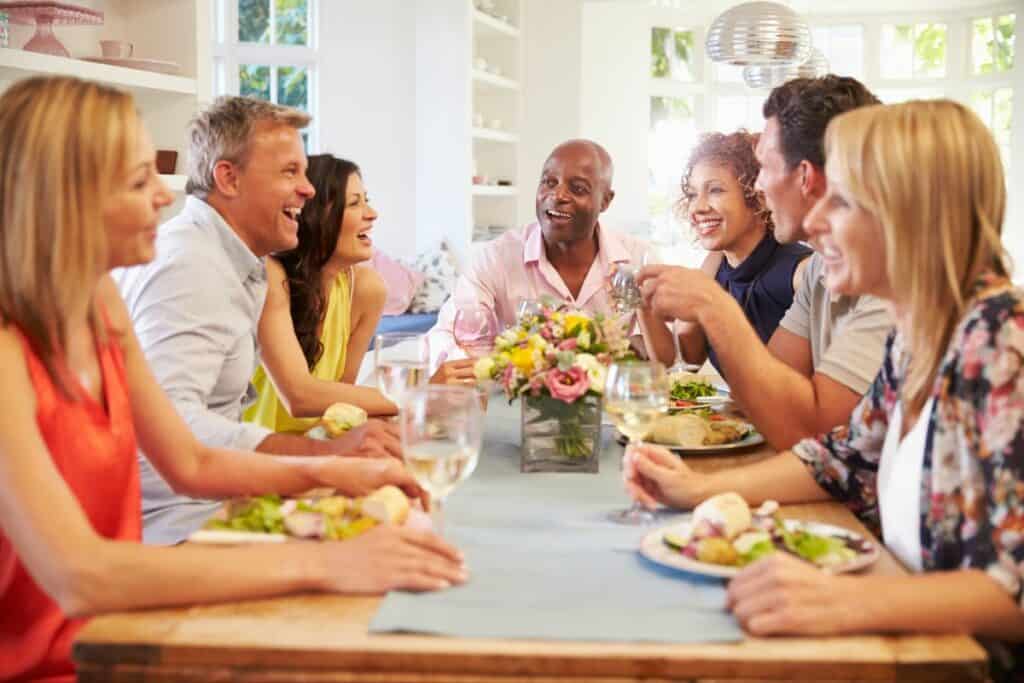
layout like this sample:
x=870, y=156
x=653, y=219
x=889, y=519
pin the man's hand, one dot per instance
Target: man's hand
x=357, y=477
x=455, y=372
x=676, y=293
x=654, y=475
x=375, y=439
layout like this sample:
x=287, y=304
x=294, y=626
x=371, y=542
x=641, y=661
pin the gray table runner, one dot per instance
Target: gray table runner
x=545, y=564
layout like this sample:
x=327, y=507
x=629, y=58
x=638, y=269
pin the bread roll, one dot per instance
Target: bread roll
x=341, y=417
x=387, y=505
x=682, y=429
x=727, y=511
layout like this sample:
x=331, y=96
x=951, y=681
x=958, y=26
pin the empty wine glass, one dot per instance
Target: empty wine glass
x=653, y=257
x=401, y=360
x=442, y=431
x=528, y=308
x=475, y=328
x=635, y=395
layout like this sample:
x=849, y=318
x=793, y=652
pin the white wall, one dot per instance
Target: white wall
x=553, y=78
x=366, y=84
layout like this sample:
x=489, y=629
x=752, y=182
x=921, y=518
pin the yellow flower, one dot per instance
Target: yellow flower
x=523, y=360
x=484, y=368
x=575, y=321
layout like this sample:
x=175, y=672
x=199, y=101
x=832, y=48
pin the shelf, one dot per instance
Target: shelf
x=489, y=25
x=489, y=80
x=176, y=183
x=16, y=64
x=495, y=135
x=495, y=191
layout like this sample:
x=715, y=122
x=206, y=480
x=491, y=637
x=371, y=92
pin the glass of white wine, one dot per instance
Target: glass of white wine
x=442, y=431
x=635, y=395
x=402, y=361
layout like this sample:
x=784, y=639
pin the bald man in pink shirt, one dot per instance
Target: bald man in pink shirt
x=566, y=256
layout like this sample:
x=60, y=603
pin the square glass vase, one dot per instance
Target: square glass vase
x=559, y=436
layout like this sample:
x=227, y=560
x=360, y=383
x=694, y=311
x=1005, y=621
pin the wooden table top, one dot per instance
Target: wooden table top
x=325, y=639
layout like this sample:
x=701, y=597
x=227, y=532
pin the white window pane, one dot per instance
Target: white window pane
x=846, y=51
x=897, y=51
x=673, y=54
x=730, y=113
x=727, y=73
x=982, y=44
x=930, y=50
x=894, y=96
x=671, y=136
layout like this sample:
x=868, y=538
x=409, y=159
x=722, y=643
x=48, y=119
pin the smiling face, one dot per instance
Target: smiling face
x=574, y=189
x=354, y=242
x=781, y=186
x=717, y=208
x=271, y=189
x=131, y=212
x=851, y=241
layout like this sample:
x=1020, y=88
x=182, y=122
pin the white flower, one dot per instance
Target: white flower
x=483, y=369
x=583, y=339
x=596, y=372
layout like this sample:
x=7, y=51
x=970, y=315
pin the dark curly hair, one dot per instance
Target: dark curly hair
x=804, y=107
x=736, y=152
x=319, y=227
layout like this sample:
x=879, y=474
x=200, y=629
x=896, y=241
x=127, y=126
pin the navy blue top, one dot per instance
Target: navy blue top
x=762, y=284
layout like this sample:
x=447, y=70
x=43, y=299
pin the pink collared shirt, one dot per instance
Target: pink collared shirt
x=515, y=267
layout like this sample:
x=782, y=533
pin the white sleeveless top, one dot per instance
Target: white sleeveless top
x=899, y=486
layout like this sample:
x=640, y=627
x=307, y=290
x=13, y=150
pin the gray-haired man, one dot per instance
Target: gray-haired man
x=196, y=306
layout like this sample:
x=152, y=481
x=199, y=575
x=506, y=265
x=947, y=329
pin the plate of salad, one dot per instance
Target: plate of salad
x=693, y=392
x=722, y=540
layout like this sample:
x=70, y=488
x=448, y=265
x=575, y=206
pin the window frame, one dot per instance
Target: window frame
x=228, y=54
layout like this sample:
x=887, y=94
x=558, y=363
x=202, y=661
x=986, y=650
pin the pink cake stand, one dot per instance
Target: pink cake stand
x=44, y=14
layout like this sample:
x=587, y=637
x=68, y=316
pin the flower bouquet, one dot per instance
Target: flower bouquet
x=556, y=361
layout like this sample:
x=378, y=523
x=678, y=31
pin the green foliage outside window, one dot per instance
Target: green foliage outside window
x=291, y=22
x=671, y=54
x=670, y=108
x=254, y=81
x=992, y=44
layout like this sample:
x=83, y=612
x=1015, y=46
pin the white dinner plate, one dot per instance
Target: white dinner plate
x=654, y=549
x=231, y=537
x=753, y=438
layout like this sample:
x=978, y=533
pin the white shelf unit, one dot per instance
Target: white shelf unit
x=169, y=30
x=497, y=116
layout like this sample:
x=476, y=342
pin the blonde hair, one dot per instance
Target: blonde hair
x=63, y=143
x=931, y=173
x=223, y=132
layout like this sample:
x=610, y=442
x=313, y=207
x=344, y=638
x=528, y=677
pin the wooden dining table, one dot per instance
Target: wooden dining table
x=325, y=639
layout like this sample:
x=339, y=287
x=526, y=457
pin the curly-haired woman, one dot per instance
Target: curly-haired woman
x=322, y=307
x=730, y=220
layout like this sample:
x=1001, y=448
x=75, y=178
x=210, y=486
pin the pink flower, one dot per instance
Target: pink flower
x=567, y=344
x=567, y=386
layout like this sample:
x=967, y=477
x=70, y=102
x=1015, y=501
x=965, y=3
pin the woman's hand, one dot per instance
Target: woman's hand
x=357, y=477
x=783, y=595
x=655, y=475
x=374, y=439
x=455, y=372
x=392, y=558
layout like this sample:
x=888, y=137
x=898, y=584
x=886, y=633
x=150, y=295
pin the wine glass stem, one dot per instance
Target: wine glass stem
x=634, y=507
x=437, y=515
x=675, y=340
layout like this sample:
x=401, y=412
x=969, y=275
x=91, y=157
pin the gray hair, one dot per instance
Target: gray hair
x=222, y=133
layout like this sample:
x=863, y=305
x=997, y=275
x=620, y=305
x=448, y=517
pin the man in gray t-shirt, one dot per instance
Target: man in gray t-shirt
x=828, y=348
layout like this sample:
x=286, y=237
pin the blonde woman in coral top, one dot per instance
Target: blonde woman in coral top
x=79, y=195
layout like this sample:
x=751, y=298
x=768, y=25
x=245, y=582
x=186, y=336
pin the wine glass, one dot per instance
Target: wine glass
x=442, y=431
x=635, y=395
x=652, y=257
x=401, y=360
x=528, y=308
x=474, y=329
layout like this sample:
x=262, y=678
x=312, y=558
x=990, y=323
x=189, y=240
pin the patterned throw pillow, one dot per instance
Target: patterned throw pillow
x=439, y=274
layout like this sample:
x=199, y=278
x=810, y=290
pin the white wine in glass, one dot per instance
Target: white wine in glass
x=635, y=395
x=401, y=360
x=442, y=432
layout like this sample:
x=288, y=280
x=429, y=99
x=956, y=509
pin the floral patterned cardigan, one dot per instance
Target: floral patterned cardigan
x=972, y=489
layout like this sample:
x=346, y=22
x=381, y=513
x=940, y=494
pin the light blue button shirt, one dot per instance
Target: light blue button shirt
x=195, y=309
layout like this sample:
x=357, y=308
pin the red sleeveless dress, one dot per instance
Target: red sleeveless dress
x=94, y=450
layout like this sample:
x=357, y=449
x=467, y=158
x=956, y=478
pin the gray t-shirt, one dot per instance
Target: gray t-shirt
x=847, y=334
x=195, y=309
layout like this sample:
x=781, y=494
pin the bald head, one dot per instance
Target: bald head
x=575, y=188
x=601, y=160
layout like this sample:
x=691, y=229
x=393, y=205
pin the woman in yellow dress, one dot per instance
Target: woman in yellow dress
x=322, y=307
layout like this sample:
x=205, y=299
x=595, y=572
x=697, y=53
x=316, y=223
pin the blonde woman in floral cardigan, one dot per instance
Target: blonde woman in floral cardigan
x=933, y=456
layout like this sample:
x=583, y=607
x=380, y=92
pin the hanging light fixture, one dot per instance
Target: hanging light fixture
x=759, y=33
x=764, y=77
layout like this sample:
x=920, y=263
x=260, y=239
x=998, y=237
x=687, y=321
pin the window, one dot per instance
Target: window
x=266, y=49
x=992, y=44
x=672, y=54
x=913, y=51
x=995, y=108
x=843, y=47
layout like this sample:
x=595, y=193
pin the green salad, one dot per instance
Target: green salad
x=691, y=391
